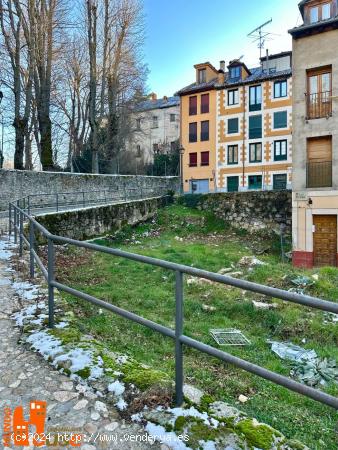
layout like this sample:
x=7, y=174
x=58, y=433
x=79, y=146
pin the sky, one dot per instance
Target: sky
x=182, y=33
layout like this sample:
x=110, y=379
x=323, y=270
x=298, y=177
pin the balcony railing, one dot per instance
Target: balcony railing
x=319, y=174
x=319, y=105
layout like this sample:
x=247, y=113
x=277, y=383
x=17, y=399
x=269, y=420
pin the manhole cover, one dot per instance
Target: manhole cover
x=229, y=336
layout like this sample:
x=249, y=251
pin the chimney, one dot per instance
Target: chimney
x=222, y=65
x=153, y=96
x=267, y=61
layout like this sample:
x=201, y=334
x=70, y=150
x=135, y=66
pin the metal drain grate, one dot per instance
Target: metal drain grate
x=229, y=336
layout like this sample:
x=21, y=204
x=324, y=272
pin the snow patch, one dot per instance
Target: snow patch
x=117, y=388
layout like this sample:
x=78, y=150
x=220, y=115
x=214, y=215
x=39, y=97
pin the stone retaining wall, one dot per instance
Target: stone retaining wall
x=256, y=210
x=16, y=184
x=88, y=223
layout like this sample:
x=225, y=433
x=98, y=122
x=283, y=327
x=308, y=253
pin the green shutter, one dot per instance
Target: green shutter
x=232, y=126
x=255, y=127
x=280, y=119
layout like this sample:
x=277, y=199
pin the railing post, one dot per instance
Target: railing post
x=31, y=249
x=57, y=202
x=178, y=335
x=21, y=234
x=15, y=225
x=125, y=193
x=50, y=280
x=10, y=220
x=83, y=199
x=29, y=205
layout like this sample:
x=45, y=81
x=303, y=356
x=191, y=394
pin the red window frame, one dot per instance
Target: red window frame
x=193, y=105
x=193, y=159
x=204, y=103
x=205, y=158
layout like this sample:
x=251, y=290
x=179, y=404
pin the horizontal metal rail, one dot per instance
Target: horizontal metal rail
x=16, y=219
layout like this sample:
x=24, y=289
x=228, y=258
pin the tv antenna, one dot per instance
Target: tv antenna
x=260, y=36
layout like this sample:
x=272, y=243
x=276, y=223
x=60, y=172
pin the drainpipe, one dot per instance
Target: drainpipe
x=243, y=143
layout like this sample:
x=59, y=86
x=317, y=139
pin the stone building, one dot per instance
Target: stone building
x=315, y=136
x=156, y=129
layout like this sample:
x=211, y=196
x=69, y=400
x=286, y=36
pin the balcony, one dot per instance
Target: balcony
x=319, y=174
x=319, y=105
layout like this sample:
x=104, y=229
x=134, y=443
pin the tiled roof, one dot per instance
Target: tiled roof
x=148, y=105
x=257, y=74
x=195, y=87
x=323, y=23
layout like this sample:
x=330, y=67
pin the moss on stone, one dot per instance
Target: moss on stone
x=66, y=335
x=206, y=401
x=143, y=377
x=83, y=373
x=180, y=423
x=257, y=435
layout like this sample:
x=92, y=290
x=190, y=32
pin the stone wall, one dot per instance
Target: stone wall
x=256, y=210
x=88, y=223
x=15, y=184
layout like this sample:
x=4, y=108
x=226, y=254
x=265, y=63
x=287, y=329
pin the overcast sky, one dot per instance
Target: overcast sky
x=181, y=33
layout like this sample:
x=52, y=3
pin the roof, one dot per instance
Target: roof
x=277, y=55
x=148, y=105
x=198, y=87
x=257, y=75
x=303, y=29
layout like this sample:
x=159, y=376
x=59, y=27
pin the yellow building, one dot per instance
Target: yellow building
x=198, y=131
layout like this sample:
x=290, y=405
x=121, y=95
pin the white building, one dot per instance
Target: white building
x=156, y=128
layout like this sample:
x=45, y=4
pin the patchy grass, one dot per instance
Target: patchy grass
x=190, y=237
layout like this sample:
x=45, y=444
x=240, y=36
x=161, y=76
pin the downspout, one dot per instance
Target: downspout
x=243, y=142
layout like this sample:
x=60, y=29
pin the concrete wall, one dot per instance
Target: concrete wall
x=92, y=222
x=15, y=184
x=310, y=53
x=254, y=211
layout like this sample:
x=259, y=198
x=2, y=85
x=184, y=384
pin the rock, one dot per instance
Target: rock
x=235, y=274
x=64, y=396
x=208, y=308
x=221, y=409
x=100, y=407
x=15, y=384
x=192, y=393
x=225, y=271
x=90, y=428
x=22, y=376
x=242, y=399
x=262, y=305
x=315, y=276
x=250, y=261
x=81, y=404
x=111, y=426
x=66, y=386
x=95, y=415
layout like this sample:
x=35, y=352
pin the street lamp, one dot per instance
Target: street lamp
x=181, y=151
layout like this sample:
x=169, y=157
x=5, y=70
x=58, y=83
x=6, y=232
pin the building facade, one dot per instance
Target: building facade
x=156, y=129
x=198, y=131
x=315, y=137
x=254, y=125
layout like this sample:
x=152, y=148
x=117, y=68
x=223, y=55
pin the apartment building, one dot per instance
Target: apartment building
x=315, y=137
x=254, y=125
x=198, y=131
x=156, y=128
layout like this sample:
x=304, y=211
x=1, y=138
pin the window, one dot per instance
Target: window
x=204, y=103
x=193, y=132
x=319, y=162
x=205, y=130
x=233, y=183
x=138, y=124
x=280, y=120
x=233, y=97
x=281, y=150
x=255, y=152
x=192, y=106
x=235, y=73
x=255, y=127
x=193, y=159
x=232, y=154
x=280, y=89
x=155, y=122
x=326, y=11
x=280, y=182
x=173, y=146
x=138, y=151
x=314, y=14
x=255, y=103
x=255, y=182
x=204, y=158
x=232, y=126
x=202, y=76
x=155, y=149
x=172, y=117
x=319, y=89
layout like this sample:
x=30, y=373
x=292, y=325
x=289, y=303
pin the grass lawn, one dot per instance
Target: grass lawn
x=188, y=236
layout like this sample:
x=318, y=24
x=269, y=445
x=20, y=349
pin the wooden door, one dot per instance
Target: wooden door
x=325, y=240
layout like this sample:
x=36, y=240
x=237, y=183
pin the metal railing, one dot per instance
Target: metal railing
x=319, y=105
x=18, y=216
x=58, y=201
x=319, y=174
